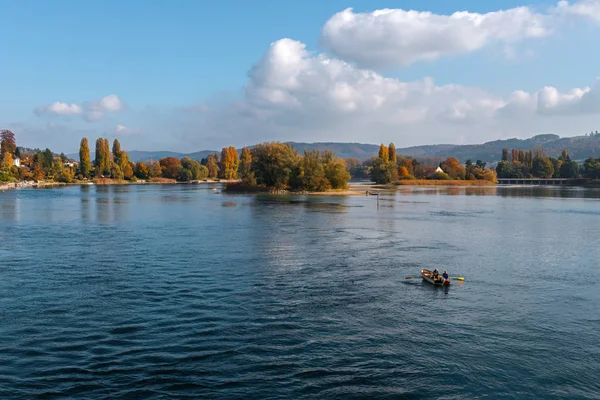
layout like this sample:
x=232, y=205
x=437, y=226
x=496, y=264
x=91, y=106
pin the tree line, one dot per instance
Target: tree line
x=269, y=165
x=388, y=167
x=535, y=164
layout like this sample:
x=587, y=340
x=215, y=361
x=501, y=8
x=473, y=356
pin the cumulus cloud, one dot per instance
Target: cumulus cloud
x=58, y=108
x=397, y=37
x=90, y=111
x=293, y=94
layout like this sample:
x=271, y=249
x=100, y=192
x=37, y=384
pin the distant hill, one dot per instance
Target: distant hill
x=579, y=148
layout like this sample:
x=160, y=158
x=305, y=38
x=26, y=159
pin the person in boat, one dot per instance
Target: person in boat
x=445, y=275
x=435, y=275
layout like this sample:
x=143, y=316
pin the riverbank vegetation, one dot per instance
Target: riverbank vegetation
x=278, y=167
x=388, y=167
x=535, y=164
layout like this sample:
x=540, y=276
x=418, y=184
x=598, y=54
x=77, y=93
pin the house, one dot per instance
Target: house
x=438, y=169
x=17, y=162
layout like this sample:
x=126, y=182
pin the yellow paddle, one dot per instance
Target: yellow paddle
x=458, y=278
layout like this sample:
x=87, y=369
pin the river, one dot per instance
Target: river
x=178, y=291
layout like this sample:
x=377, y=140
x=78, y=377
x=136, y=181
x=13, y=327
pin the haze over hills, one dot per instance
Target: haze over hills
x=579, y=147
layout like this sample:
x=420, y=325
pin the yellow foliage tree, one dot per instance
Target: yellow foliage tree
x=229, y=162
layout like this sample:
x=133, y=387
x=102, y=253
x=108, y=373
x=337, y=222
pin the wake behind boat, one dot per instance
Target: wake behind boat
x=428, y=277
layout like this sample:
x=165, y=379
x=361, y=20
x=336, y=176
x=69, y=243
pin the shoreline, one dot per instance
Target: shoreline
x=356, y=189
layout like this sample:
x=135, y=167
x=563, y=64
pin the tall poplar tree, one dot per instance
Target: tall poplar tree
x=384, y=153
x=229, y=162
x=85, y=165
x=392, y=153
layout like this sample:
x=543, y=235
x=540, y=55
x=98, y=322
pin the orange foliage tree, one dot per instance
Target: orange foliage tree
x=169, y=167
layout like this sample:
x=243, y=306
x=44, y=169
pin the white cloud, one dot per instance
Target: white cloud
x=96, y=110
x=295, y=95
x=58, y=108
x=397, y=37
x=90, y=111
x=122, y=130
x=588, y=9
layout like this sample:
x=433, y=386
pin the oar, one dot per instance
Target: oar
x=458, y=278
x=412, y=277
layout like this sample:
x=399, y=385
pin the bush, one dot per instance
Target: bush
x=440, y=176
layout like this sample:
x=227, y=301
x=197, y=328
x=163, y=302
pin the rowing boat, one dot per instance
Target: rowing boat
x=427, y=277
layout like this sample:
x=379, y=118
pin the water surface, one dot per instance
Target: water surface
x=177, y=292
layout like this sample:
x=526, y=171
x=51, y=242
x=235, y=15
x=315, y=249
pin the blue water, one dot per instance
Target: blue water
x=160, y=292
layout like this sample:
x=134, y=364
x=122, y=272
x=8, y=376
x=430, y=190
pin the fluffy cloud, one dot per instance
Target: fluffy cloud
x=295, y=95
x=58, y=108
x=396, y=37
x=90, y=111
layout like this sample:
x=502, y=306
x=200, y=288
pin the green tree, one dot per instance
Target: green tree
x=310, y=173
x=116, y=151
x=85, y=165
x=197, y=171
x=383, y=172
x=569, y=169
x=542, y=167
x=273, y=164
x=504, y=154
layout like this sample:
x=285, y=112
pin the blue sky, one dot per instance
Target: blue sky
x=161, y=59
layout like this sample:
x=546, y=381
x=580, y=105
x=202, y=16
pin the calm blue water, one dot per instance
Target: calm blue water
x=160, y=292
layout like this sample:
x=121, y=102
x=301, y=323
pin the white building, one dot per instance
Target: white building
x=17, y=162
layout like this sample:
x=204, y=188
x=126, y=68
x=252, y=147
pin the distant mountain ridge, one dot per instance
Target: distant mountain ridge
x=579, y=148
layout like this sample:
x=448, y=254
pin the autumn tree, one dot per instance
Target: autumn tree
x=85, y=165
x=212, y=164
x=245, y=167
x=229, y=162
x=7, y=162
x=102, y=162
x=335, y=172
x=384, y=153
x=8, y=143
x=155, y=170
x=504, y=154
x=392, y=156
x=169, y=166
x=453, y=168
x=142, y=171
